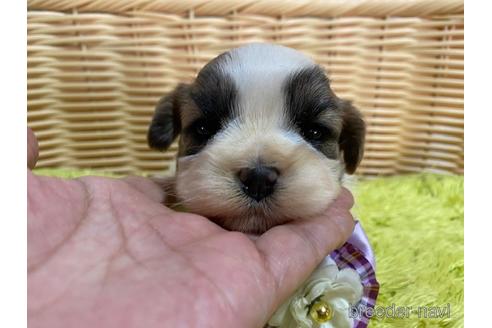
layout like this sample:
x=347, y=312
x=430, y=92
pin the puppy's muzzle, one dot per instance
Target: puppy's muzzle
x=258, y=182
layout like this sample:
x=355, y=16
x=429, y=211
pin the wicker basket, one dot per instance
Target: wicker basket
x=97, y=68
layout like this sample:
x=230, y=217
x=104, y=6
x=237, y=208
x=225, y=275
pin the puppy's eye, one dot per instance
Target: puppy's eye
x=202, y=129
x=316, y=133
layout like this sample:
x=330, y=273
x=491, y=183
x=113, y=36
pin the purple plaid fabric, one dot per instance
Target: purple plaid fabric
x=351, y=256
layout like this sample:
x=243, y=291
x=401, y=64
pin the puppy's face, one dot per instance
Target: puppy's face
x=263, y=139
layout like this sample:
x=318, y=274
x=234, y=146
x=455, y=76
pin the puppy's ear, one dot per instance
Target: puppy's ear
x=166, y=123
x=352, y=136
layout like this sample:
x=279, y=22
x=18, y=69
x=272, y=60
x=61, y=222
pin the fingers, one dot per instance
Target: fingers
x=292, y=251
x=32, y=149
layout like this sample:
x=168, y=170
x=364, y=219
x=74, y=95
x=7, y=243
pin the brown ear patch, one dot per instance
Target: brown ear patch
x=166, y=123
x=352, y=137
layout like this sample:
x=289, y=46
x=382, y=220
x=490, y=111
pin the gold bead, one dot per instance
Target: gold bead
x=321, y=311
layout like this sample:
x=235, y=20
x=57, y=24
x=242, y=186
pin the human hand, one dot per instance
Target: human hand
x=106, y=253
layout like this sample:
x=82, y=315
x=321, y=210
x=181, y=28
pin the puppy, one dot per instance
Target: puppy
x=263, y=138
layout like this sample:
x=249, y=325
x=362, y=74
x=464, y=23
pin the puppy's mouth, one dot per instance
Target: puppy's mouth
x=252, y=193
x=257, y=188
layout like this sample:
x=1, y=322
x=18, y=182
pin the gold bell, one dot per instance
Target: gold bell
x=321, y=311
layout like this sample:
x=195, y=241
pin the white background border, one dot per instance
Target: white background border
x=13, y=248
x=478, y=164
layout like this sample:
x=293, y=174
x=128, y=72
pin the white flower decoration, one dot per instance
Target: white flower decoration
x=323, y=302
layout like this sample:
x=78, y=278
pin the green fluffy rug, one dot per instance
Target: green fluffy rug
x=415, y=224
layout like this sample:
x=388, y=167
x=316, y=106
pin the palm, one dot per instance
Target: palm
x=106, y=252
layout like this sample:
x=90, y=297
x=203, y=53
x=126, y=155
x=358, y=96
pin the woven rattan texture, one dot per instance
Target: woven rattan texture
x=95, y=73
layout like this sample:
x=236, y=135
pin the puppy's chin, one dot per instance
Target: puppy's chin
x=252, y=220
x=252, y=224
x=206, y=183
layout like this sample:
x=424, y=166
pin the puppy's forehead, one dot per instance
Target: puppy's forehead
x=260, y=65
x=252, y=78
x=261, y=84
x=259, y=72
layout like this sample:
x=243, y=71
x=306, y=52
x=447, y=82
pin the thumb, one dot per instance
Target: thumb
x=292, y=251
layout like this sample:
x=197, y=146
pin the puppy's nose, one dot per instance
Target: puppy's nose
x=258, y=182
